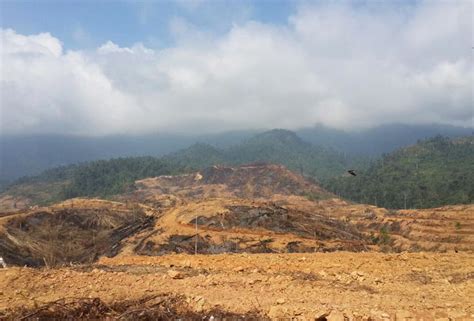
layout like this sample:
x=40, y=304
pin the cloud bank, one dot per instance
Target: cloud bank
x=341, y=65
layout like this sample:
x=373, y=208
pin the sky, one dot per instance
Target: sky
x=195, y=66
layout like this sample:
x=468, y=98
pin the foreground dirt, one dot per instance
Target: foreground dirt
x=334, y=285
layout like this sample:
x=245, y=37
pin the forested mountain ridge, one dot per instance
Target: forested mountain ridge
x=285, y=147
x=277, y=146
x=104, y=178
x=431, y=173
x=30, y=155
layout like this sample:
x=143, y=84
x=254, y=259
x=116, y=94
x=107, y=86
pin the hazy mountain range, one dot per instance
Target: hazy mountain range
x=29, y=155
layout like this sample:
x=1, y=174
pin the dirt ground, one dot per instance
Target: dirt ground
x=420, y=265
x=335, y=286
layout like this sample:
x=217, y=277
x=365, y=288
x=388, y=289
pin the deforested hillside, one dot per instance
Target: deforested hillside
x=257, y=180
x=431, y=173
x=254, y=208
x=76, y=231
x=104, y=178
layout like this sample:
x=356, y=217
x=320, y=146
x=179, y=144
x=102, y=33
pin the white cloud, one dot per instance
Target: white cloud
x=42, y=44
x=335, y=64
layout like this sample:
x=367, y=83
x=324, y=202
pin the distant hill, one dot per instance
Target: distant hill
x=29, y=155
x=285, y=147
x=109, y=177
x=102, y=178
x=433, y=172
x=277, y=146
x=375, y=141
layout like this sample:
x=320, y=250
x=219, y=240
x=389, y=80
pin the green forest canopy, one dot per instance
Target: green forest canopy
x=432, y=173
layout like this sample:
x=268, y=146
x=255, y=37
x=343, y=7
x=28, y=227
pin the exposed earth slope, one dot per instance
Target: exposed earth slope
x=252, y=219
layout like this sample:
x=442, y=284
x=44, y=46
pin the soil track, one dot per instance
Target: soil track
x=334, y=285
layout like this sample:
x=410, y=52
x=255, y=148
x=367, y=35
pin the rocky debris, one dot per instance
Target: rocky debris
x=175, y=274
x=335, y=316
x=162, y=307
x=239, y=269
x=280, y=301
x=280, y=288
x=278, y=312
x=358, y=275
x=200, y=302
x=186, y=264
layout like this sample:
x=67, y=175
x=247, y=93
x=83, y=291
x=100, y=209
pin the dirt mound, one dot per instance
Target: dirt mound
x=247, y=181
x=65, y=235
x=237, y=225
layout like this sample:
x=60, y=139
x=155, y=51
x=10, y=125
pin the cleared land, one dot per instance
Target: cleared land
x=335, y=285
x=270, y=244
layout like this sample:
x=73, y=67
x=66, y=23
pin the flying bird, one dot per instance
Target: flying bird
x=352, y=172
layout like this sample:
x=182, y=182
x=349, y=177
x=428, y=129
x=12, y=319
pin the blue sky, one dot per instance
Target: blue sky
x=83, y=24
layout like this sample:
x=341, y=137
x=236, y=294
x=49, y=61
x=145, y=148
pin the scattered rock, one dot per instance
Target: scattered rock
x=335, y=316
x=281, y=301
x=239, y=269
x=278, y=312
x=186, y=264
x=200, y=304
x=323, y=274
x=175, y=274
x=321, y=316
